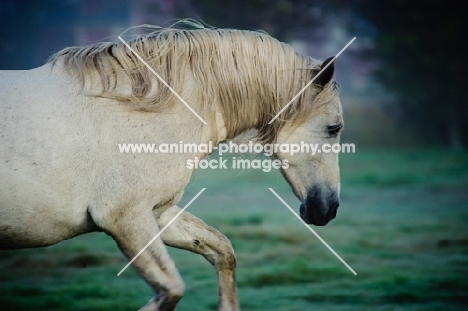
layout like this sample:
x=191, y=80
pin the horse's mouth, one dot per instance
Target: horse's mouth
x=311, y=216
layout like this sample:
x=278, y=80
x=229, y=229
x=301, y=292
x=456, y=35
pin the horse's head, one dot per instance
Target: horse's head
x=315, y=178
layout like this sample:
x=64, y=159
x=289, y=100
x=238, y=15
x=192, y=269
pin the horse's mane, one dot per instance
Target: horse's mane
x=248, y=74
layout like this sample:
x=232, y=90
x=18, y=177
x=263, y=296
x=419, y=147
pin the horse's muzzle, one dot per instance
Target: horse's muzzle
x=320, y=207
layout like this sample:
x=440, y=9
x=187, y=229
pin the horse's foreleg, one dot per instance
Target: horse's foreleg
x=132, y=232
x=190, y=233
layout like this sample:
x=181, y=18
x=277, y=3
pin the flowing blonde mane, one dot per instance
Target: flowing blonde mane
x=248, y=75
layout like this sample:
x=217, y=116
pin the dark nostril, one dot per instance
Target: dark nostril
x=334, y=209
x=335, y=205
x=333, y=201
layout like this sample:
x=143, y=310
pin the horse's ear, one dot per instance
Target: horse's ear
x=327, y=74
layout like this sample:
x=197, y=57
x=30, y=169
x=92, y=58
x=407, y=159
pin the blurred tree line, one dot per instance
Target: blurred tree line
x=419, y=45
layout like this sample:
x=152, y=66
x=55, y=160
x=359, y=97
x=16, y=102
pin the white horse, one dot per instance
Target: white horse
x=61, y=174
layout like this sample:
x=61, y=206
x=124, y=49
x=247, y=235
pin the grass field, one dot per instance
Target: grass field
x=402, y=226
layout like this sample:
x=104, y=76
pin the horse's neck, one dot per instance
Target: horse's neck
x=216, y=129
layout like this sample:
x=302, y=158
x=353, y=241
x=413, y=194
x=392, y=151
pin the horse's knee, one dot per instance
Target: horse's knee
x=173, y=290
x=226, y=256
x=176, y=291
x=227, y=261
x=167, y=298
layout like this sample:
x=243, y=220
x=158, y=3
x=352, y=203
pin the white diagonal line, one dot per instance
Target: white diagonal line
x=311, y=81
x=313, y=231
x=162, y=230
x=162, y=80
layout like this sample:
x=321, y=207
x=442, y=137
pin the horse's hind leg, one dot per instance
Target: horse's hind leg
x=190, y=233
x=132, y=232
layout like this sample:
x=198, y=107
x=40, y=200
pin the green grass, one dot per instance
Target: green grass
x=402, y=225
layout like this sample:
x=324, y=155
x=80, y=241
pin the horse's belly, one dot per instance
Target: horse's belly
x=26, y=222
x=35, y=221
x=34, y=211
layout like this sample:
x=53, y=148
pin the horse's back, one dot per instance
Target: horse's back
x=37, y=133
x=26, y=95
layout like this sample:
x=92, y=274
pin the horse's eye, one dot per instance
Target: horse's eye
x=333, y=130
